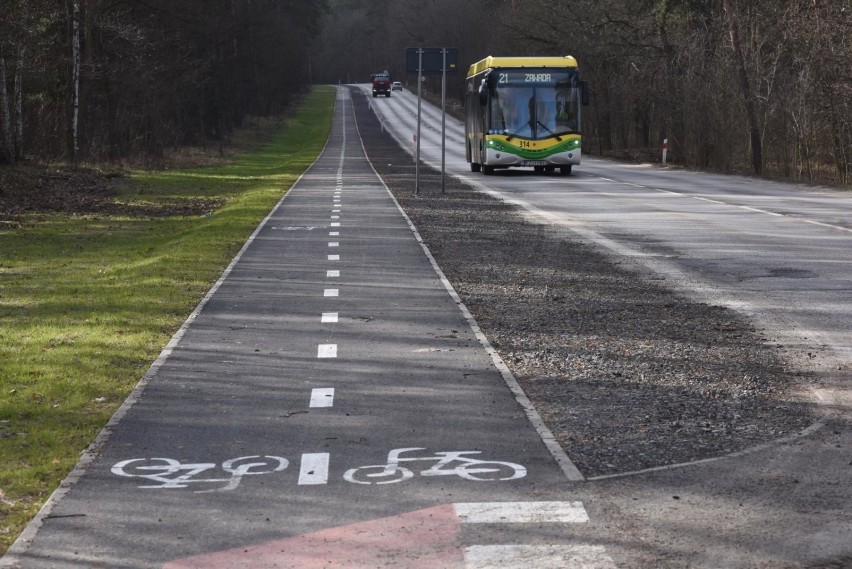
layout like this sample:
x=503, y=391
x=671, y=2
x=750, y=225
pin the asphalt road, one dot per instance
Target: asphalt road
x=331, y=404
x=779, y=252
x=327, y=405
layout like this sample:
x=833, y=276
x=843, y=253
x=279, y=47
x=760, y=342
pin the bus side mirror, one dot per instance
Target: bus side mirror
x=584, y=92
x=492, y=80
x=483, y=92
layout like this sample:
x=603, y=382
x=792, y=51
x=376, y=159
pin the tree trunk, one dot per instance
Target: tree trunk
x=73, y=7
x=745, y=87
x=7, y=154
x=19, y=106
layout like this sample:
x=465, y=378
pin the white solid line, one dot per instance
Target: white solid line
x=521, y=512
x=322, y=397
x=334, y=244
x=709, y=200
x=332, y=273
x=538, y=556
x=314, y=469
x=331, y=292
x=334, y=257
x=328, y=317
x=327, y=351
x=758, y=210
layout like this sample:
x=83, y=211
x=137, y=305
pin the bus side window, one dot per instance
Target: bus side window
x=584, y=93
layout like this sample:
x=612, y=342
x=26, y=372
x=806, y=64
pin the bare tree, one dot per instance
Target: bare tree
x=73, y=11
x=745, y=86
x=18, y=135
x=7, y=153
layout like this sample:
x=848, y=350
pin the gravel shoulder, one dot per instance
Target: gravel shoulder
x=627, y=374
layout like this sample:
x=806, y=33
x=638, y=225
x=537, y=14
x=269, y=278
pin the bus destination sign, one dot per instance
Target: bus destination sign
x=531, y=76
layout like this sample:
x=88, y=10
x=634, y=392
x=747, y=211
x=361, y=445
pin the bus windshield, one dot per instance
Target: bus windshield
x=535, y=105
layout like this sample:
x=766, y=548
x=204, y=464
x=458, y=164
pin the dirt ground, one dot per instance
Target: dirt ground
x=32, y=189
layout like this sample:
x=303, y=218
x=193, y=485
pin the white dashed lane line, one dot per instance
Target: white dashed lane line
x=327, y=351
x=332, y=274
x=521, y=512
x=314, y=469
x=322, y=397
x=538, y=556
x=329, y=318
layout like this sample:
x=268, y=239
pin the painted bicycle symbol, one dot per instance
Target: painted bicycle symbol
x=171, y=473
x=450, y=463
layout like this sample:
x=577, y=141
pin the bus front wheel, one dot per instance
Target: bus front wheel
x=565, y=170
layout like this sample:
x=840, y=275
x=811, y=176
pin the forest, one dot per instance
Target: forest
x=759, y=86
x=101, y=80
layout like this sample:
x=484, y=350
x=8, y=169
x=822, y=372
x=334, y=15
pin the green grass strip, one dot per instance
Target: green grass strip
x=88, y=302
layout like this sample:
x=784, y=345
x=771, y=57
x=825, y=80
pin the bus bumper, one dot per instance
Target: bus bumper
x=502, y=159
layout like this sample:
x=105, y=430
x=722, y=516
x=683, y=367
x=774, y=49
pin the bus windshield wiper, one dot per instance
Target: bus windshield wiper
x=520, y=128
x=542, y=125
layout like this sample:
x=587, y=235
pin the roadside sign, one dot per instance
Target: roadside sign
x=422, y=60
x=433, y=59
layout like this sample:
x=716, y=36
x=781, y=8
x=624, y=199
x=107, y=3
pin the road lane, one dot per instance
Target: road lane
x=329, y=388
x=785, y=503
x=781, y=253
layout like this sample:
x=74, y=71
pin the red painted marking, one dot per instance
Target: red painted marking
x=423, y=539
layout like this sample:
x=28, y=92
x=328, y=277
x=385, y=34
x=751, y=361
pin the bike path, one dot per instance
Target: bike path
x=331, y=344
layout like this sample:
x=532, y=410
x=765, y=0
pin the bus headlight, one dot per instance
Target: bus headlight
x=572, y=144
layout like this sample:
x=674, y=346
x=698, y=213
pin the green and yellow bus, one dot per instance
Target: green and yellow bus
x=524, y=111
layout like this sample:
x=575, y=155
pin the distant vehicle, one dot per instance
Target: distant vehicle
x=524, y=111
x=381, y=84
x=397, y=86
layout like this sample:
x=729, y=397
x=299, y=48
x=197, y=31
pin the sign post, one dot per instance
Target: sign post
x=443, y=114
x=422, y=60
x=419, y=98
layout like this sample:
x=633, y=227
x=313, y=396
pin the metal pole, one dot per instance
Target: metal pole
x=443, y=115
x=419, y=95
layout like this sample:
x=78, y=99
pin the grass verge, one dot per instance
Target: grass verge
x=88, y=301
